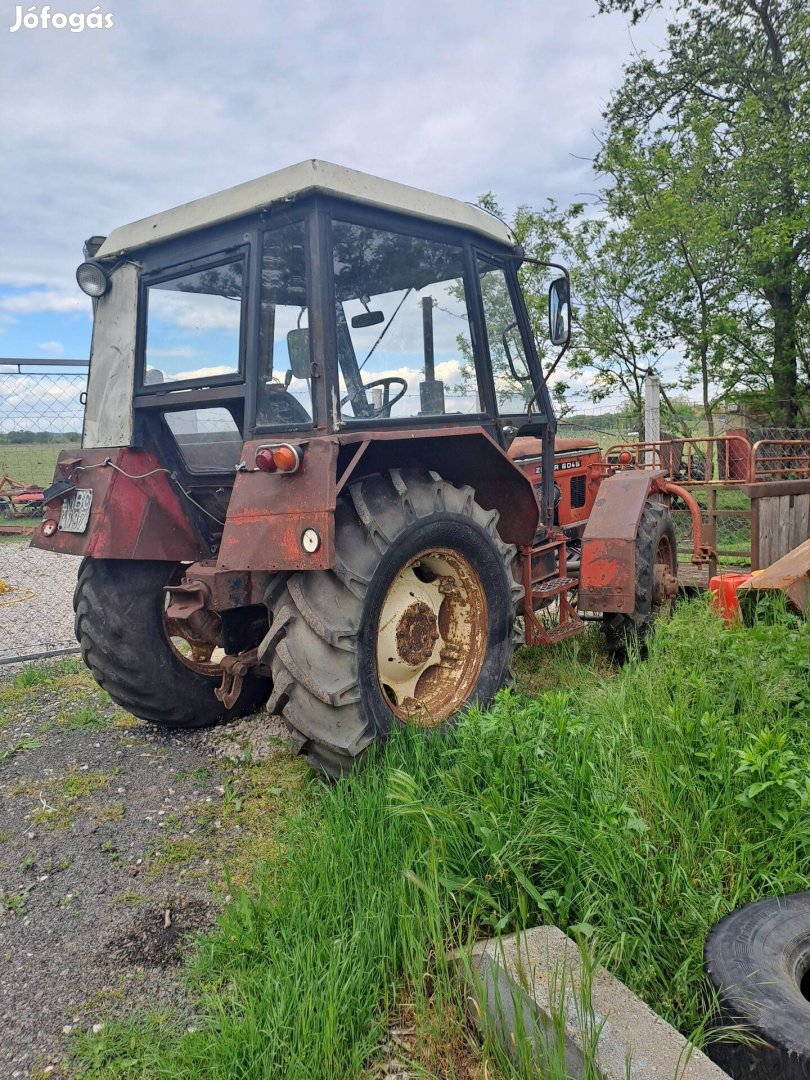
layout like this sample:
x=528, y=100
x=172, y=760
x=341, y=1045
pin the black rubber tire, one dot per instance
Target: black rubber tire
x=325, y=682
x=120, y=628
x=623, y=631
x=758, y=960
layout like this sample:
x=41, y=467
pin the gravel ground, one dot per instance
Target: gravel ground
x=36, y=598
x=113, y=836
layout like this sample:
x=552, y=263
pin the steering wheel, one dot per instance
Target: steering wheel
x=388, y=401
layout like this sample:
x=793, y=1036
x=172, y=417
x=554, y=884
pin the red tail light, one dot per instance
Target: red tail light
x=283, y=458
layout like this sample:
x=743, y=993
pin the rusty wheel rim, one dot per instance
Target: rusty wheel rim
x=193, y=653
x=665, y=581
x=432, y=637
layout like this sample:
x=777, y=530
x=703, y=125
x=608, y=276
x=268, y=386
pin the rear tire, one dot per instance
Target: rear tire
x=656, y=554
x=415, y=620
x=121, y=630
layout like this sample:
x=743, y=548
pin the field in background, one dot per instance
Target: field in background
x=31, y=463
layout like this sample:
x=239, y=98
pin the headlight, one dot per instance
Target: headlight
x=93, y=279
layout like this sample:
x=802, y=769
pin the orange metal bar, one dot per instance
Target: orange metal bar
x=782, y=459
x=702, y=553
x=673, y=454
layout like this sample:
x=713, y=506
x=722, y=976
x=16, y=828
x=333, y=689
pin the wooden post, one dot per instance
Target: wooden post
x=711, y=526
x=755, y=558
x=652, y=414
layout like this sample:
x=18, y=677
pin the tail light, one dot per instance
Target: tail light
x=283, y=458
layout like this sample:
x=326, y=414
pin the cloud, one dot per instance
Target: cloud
x=181, y=352
x=179, y=100
x=202, y=373
x=39, y=301
x=40, y=402
x=53, y=348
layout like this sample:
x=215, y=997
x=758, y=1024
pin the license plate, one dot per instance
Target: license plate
x=76, y=511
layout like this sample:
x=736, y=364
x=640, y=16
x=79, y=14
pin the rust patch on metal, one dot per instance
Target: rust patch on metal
x=432, y=637
x=136, y=516
x=608, y=572
x=269, y=512
x=417, y=633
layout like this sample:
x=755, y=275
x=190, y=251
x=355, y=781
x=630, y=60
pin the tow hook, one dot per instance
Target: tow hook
x=234, y=670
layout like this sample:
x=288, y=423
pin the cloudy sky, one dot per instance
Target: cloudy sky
x=180, y=98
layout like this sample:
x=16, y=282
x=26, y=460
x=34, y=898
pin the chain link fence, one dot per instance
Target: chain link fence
x=40, y=415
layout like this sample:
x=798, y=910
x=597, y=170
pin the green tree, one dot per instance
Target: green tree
x=616, y=339
x=666, y=198
x=739, y=69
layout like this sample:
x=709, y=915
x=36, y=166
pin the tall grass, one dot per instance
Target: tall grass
x=633, y=810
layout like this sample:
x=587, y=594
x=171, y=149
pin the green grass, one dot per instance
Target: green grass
x=84, y=718
x=632, y=809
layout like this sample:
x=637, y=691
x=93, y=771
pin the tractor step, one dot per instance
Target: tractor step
x=553, y=587
x=550, y=635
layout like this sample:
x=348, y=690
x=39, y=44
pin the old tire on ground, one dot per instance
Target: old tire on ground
x=656, y=559
x=121, y=630
x=415, y=620
x=758, y=959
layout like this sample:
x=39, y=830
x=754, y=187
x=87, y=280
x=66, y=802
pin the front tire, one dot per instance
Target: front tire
x=415, y=620
x=656, y=570
x=121, y=629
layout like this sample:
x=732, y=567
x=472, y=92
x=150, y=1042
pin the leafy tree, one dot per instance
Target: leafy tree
x=735, y=75
x=667, y=197
x=616, y=340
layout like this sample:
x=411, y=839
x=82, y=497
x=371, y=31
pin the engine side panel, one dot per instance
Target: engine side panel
x=571, y=460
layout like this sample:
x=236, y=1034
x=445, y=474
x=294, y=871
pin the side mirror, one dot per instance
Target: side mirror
x=298, y=348
x=559, y=311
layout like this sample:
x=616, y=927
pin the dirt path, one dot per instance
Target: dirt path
x=113, y=839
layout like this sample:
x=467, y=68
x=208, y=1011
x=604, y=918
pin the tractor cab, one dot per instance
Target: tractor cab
x=315, y=301
x=318, y=467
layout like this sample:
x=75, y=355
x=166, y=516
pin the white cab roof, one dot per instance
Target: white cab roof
x=292, y=183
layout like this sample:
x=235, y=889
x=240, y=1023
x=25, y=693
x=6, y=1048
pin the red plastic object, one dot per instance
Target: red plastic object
x=723, y=595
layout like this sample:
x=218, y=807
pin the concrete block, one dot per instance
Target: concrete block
x=536, y=982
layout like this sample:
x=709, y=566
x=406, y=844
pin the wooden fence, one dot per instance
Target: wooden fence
x=780, y=519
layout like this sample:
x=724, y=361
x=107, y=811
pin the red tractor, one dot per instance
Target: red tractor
x=318, y=468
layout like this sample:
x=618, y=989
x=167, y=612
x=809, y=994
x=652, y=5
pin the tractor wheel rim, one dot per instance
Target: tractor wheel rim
x=665, y=581
x=432, y=637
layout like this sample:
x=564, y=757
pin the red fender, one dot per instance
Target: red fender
x=607, y=579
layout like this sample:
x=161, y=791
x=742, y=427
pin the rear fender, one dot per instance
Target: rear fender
x=608, y=574
x=461, y=455
x=269, y=513
x=141, y=518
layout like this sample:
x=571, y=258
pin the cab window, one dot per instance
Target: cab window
x=404, y=336
x=194, y=326
x=285, y=383
x=510, y=368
